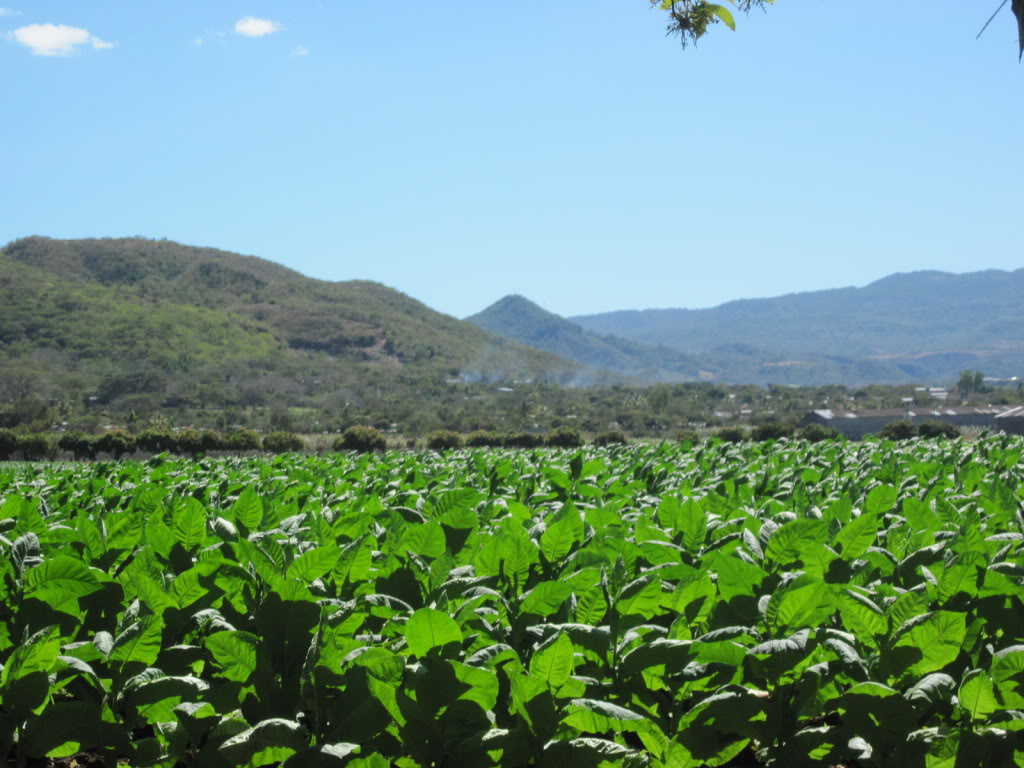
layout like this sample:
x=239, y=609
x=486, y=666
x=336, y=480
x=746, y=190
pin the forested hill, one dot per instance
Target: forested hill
x=919, y=325
x=519, y=319
x=143, y=323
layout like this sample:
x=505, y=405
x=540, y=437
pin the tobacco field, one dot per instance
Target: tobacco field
x=773, y=604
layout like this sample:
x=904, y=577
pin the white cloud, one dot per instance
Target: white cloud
x=198, y=41
x=9, y=12
x=56, y=39
x=250, y=26
x=300, y=50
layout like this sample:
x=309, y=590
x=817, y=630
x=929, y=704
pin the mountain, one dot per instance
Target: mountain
x=519, y=319
x=141, y=324
x=914, y=326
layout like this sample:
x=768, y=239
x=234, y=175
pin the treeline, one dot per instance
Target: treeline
x=117, y=443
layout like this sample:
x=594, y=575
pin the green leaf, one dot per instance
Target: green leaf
x=881, y=499
x=314, y=563
x=38, y=654
x=270, y=741
x=557, y=540
x=736, y=577
x=553, y=663
x=688, y=518
x=426, y=539
x=189, y=524
x=936, y=688
x=248, y=510
x=325, y=756
x=187, y=588
x=154, y=700
x=977, y=694
x=60, y=581
x=862, y=617
x=429, y=628
x=578, y=753
x=235, y=652
x=1008, y=663
x=933, y=641
x=640, y=597
x=457, y=508
x=725, y=15
x=856, y=536
x=592, y=716
x=791, y=540
x=140, y=642
x=546, y=598
x=802, y=602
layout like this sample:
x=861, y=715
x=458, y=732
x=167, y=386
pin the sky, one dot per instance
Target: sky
x=567, y=151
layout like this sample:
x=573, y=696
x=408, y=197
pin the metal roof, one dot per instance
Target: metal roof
x=897, y=413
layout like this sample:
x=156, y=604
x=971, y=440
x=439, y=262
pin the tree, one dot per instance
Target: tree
x=903, y=429
x=78, y=444
x=690, y=19
x=8, y=443
x=116, y=442
x=282, y=442
x=362, y=439
x=970, y=382
x=444, y=440
x=934, y=429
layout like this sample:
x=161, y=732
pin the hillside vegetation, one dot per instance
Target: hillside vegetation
x=141, y=324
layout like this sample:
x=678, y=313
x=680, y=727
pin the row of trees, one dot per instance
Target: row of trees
x=116, y=443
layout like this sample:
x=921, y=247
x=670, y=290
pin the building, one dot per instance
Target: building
x=1011, y=421
x=858, y=424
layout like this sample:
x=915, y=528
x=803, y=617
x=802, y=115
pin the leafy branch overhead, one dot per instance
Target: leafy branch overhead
x=690, y=19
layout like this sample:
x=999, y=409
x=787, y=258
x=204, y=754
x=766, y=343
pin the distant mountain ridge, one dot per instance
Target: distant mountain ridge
x=520, y=320
x=907, y=326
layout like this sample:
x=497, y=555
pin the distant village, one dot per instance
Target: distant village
x=927, y=405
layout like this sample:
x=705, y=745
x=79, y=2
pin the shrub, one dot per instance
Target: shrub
x=36, y=446
x=8, y=443
x=732, y=434
x=155, y=441
x=815, y=433
x=116, y=443
x=188, y=441
x=898, y=430
x=361, y=439
x=444, y=440
x=690, y=436
x=611, y=437
x=282, y=442
x=242, y=440
x=522, y=440
x=78, y=444
x=932, y=429
x=772, y=430
x=211, y=440
x=564, y=437
x=483, y=439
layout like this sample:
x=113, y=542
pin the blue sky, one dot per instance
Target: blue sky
x=567, y=151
